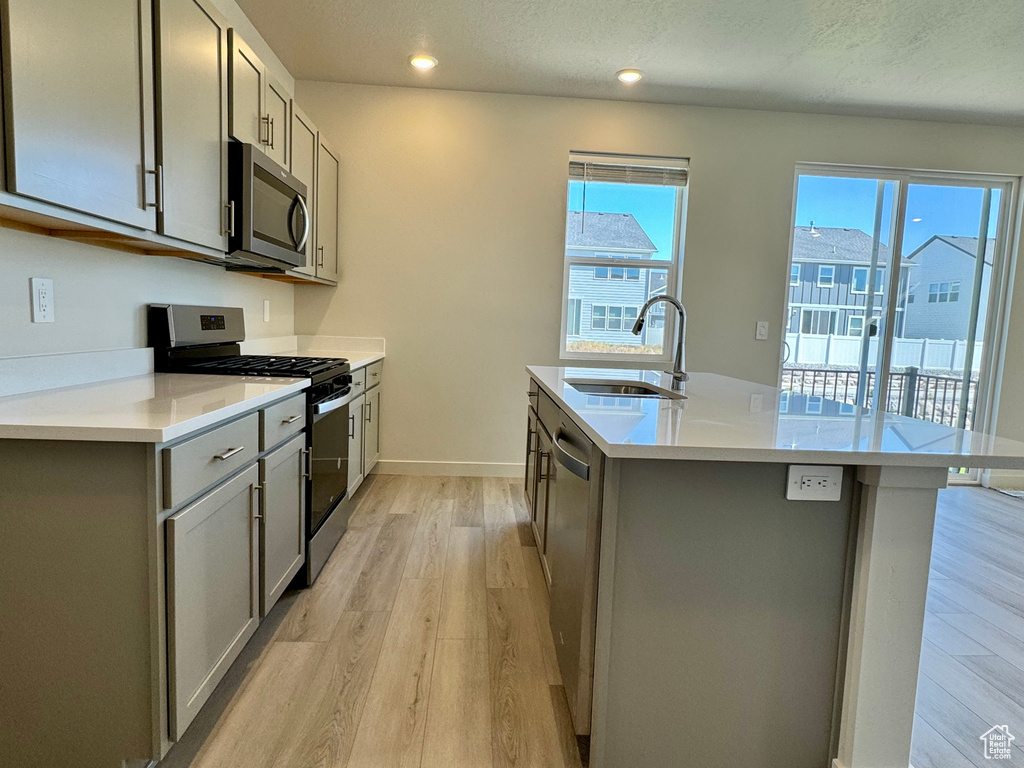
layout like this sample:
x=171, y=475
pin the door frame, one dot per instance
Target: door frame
x=1007, y=241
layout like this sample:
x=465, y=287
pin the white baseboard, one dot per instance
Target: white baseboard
x=449, y=468
x=836, y=763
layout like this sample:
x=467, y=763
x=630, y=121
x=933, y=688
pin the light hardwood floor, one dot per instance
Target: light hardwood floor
x=972, y=654
x=424, y=643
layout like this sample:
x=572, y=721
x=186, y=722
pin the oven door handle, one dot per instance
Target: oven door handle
x=332, y=405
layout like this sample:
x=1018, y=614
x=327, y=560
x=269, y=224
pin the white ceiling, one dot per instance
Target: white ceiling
x=945, y=59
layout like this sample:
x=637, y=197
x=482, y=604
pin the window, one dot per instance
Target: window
x=794, y=275
x=941, y=293
x=859, y=283
x=622, y=246
x=826, y=276
x=818, y=321
x=784, y=402
x=855, y=325
x=613, y=318
x=574, y=315
x=847, y=409
x=814, y=405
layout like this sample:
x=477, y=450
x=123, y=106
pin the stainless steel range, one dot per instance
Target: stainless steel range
x=192, y=339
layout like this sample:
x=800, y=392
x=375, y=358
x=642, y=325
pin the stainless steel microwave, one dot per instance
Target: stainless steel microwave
x=269, y=221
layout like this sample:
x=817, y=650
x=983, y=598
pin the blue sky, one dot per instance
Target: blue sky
x=653, y=207
x=842, y=202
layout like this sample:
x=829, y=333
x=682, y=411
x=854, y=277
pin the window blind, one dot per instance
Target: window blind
x=620, y=173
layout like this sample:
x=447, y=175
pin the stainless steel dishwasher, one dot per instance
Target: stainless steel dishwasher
x=573, y=545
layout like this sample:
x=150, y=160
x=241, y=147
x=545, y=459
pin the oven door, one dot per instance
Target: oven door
x=329, y=471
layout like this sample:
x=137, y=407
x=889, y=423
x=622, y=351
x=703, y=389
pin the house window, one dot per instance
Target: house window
x=855, y=325
x=794, y=275
x=859, y=283
x=826, y=276
x=573, y=317
x=622, y=246
x=847, y=409
x=818, y=321
x=604, y=317
x=784, y=402
x=941, y=293
x=814, y=405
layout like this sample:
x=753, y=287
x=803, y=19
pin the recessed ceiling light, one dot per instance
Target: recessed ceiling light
x=916, y=220
x=629, y=75
x=423, y=62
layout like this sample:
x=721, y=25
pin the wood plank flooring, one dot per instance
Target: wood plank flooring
x=423, y=644
x=972, y=654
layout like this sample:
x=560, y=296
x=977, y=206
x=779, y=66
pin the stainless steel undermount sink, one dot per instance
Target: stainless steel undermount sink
x=623, y=388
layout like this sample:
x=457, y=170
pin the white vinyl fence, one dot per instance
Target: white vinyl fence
x=926, y=354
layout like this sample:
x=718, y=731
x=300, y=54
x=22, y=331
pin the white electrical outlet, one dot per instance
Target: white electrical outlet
x=42, y=300
x=266, y=310
x=761, y=330
x=756, y=403
x=808, y=482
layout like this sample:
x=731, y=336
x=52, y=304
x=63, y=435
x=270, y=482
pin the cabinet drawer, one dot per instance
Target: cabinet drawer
x=282, y=420
x=548, y=412
x=373, y=374
x=358, y=382
x=199, y=463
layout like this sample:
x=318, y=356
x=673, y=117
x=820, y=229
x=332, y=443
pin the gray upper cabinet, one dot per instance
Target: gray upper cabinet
x=282, y=538
x=79, y=101
x=328, y=171
x=212, y=592
x=192, y=110
x=278, y=101
x=248, y=121
x=303, y=153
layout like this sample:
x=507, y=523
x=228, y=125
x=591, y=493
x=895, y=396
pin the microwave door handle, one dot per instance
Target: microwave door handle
x=301, y=245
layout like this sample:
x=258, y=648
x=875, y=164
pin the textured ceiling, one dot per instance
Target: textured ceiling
x=944, y=59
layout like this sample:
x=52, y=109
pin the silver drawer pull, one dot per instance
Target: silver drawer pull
x=292, y=420
x=229, y=453
x=375, y=374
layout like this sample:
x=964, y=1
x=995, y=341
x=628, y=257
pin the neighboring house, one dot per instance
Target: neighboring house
x=939, y=292
x=604, y=302
x=828, y=281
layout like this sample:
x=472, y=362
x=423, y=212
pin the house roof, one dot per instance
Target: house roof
x=595, y=230
x=968, y=245
x=835, y=244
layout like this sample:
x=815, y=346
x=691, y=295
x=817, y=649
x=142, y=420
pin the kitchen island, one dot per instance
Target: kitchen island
x=723, y=623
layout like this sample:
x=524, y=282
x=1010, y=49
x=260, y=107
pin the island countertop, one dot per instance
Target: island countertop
x=153, y=408
x=727, y=419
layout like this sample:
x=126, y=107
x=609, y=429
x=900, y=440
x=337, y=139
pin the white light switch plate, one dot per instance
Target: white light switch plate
x=42, y=300
x=761, y=330
x=266, y=310
x=809, y=482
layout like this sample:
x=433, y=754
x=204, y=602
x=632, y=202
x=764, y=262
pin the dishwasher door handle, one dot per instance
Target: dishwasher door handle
x=579, y=468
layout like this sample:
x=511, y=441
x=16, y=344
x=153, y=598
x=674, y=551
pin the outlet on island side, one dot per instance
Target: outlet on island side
x=809, y=482
x=42, y=299
x=761, y=330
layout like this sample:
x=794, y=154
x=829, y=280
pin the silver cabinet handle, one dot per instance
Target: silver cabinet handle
x=272, y=133
x=158, y=183
x=230, y=228
x=258, y=489
x=352, y=427
x=308, y=455
x=229, y=453
x=375, y=374
x=292, y=419
x=579, y=468
x=265, y=120
x=369, y=411
x=320, y=256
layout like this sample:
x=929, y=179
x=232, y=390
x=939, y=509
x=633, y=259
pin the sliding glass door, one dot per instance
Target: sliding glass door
x=895, y=290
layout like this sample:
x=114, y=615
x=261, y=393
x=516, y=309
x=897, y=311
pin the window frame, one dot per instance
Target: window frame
x=832, y=276
x=879, y=284
x=795, y=269
x=672, y=266
x=819, y=405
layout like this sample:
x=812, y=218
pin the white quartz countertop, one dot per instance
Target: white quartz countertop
x=726, y=419
x=154, y=408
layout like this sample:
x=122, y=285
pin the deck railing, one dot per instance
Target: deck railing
x=912, y=393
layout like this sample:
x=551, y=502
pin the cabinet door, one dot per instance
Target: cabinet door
x=304, y=148
x=357, y=427
x=328, y=169
x=80, y=106
x=544, y=500
x=192, y=100
x=371, y=432
x=282, y=534
x=247, y=121
x=530, y=488
x=212, y=592
x=279, y=116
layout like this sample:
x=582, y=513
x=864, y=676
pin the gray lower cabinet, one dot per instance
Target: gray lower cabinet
x=282, y=539
x=212, y=592
x=192, y=117
x=371, y=430
x=355, y=443
x=542, y=496
x=327, y=197
x=79, y=92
